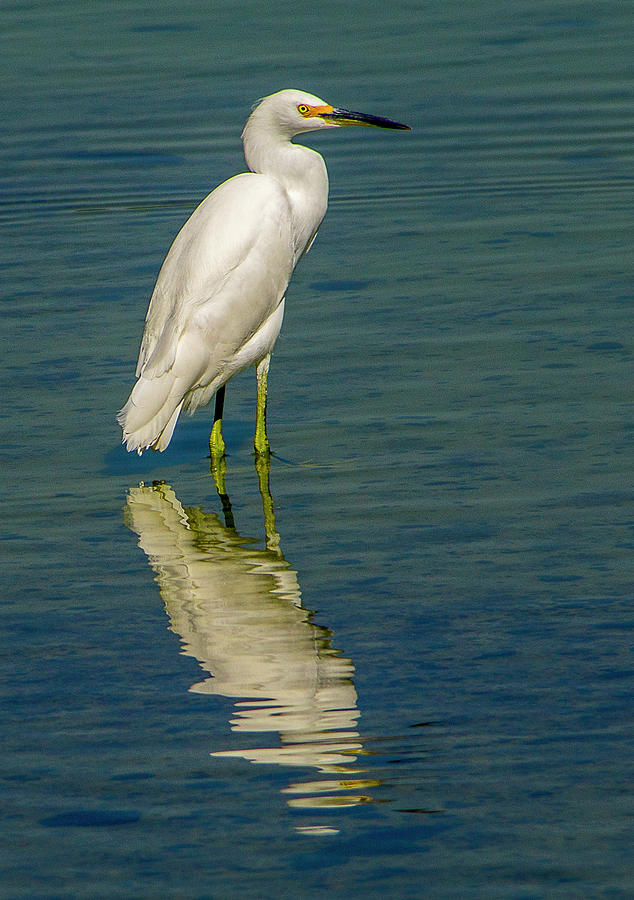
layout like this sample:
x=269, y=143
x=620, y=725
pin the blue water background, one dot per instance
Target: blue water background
x=451, y=408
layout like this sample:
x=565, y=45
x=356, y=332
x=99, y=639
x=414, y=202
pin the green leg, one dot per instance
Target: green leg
x=261, y=441
x=216, y=442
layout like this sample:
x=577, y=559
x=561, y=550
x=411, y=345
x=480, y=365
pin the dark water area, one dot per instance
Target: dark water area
x=398, y=662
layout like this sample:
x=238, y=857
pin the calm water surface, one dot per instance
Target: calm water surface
x=396, y=664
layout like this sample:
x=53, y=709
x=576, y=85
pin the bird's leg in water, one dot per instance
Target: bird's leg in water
x=218, y=472
x=261, y=441
x=216, y=441
x=263, y=469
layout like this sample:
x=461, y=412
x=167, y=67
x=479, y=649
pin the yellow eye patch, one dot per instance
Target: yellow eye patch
x=312, y=112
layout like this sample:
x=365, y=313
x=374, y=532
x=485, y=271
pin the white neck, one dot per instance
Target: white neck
x=300, y=170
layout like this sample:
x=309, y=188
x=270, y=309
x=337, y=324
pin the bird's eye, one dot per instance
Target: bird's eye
x=303, y=109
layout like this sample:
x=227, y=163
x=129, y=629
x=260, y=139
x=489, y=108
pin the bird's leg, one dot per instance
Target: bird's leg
x=216, y=442
x=261, y=441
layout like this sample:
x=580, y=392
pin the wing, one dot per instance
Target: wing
x=225, y=273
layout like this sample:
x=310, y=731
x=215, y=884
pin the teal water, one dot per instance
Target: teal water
x=416, y=680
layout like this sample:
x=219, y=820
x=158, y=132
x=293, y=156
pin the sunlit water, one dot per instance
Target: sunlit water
x=401, y=669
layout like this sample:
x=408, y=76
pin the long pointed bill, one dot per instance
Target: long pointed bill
x=347, y=117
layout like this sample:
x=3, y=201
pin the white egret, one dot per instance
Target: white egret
x=218, y=303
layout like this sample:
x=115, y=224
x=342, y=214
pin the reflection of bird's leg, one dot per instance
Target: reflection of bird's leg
x=261, y=441
x=263, y=468
x=219, y=460
x=218, y=472
x=216, y=441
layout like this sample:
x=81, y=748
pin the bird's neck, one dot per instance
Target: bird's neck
x=301, y=172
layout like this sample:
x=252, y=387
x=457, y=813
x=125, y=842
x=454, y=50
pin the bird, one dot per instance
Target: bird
x=218, y=302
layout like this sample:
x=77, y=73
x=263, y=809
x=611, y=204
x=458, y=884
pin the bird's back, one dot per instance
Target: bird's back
x=216, y=307
x=226, y=271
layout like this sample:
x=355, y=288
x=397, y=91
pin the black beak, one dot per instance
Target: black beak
x=347, y=117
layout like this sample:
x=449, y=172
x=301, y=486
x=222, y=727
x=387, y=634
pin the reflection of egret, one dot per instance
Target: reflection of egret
x=238, y=611
x=218, y=303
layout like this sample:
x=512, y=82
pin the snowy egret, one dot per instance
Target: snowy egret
x=218, y=303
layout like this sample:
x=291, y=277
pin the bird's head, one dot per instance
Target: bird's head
x=293, y=112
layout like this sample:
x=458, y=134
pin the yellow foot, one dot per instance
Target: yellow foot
x=217, y=453
x=216, y=441
x=261, y=445
x=218, y=472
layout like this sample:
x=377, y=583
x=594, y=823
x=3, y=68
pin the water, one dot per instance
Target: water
x=418, y=632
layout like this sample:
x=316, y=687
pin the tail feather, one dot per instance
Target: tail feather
x=166, y=435
x=150, y=414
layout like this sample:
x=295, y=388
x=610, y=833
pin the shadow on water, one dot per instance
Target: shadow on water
x=238, y=611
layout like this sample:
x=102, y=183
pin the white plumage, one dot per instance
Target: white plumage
x=218, y=303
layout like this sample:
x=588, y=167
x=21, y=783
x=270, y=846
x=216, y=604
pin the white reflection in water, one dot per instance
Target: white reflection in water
x=238, y=611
